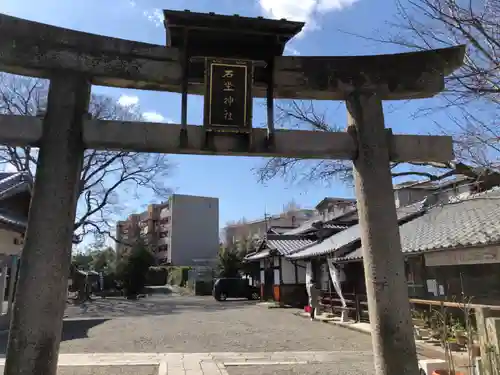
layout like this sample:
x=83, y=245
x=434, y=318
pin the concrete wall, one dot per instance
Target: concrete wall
x=258, y=228
x=195, y=229
x=301, y=271
x=407, y=196
x=288, y=271
x=10, y=242
x=336, y=209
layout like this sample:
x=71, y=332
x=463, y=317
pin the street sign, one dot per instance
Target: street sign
x=228, y=95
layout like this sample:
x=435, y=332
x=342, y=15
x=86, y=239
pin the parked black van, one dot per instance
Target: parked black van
x=225, y=288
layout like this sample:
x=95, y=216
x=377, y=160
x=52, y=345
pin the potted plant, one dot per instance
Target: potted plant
x=460, y=334
x=418, y=318
x=452, y=345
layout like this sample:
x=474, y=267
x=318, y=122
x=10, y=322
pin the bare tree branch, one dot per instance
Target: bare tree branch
x=107, y=177
x=471, y=100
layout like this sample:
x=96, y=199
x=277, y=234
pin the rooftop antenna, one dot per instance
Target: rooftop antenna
x=265, y=218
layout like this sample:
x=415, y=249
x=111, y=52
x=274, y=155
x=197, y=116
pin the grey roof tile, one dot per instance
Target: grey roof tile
x=335, y=226
x=9, y=218
x=258, y=255
x=285, y=245
x=348, y=236
x=471, y=221
x=14, y=183
x=306, y=226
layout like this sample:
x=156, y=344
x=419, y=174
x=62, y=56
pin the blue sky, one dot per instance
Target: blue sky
x=231, y=179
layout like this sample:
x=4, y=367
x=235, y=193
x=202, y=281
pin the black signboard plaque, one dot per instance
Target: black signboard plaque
x=228, y=95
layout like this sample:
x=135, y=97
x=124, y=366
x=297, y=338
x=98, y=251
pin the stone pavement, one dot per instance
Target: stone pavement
x=203, y=363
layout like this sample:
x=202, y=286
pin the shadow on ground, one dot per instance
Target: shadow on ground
x=115, y=307
x=72, y=330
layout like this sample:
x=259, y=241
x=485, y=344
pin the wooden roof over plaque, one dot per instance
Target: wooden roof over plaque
x=215, y=35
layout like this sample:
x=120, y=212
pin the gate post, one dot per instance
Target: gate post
x=40, y=298
x=390, y=318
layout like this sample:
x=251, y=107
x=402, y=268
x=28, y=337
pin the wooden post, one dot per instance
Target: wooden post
x=386, y=285
x=12, y=283
x=484, y=342
x=3, y=283
x=40, y=298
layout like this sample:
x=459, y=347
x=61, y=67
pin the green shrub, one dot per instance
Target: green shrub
x=132, y=269
x=177, y=275
x=156, y=276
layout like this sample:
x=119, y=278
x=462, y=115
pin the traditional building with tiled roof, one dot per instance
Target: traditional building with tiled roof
x=15, y=196
x=451, y=249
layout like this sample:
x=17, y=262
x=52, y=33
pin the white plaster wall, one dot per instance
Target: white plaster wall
x=288, y=271
x=10, y=242
x=301, y=271
x=262, y=278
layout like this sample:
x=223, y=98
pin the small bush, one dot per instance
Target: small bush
x=178, y=275
x=132, y=269
x=156, y=276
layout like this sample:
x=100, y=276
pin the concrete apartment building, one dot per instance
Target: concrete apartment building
x=180, y=231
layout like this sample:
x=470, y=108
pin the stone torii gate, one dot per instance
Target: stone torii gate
x=75, y=60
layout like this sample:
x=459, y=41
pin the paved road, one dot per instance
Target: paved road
x=175, y=324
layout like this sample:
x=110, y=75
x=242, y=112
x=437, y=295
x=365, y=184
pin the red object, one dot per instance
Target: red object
x=446, y=372
x=307, y=309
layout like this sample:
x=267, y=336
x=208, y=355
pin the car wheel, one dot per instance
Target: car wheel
x=255, y=296
x=222, y=297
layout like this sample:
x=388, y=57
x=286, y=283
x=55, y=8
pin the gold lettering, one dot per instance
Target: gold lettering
x=229, y=101
x=228, y=115
x=228, y=73
x=228, y=86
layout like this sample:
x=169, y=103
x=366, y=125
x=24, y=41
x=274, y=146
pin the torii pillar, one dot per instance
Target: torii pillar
x=383, y=260
x=74, y=60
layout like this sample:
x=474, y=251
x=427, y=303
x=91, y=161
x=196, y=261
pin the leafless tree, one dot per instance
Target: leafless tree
x=107, y=176
x=471, y=99
x=472, y=95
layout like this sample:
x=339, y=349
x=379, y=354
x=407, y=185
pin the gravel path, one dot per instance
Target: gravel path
x=199, y=324
x=196, y=324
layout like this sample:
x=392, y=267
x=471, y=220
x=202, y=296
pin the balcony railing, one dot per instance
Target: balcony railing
x=163, y=241
x=165, y=212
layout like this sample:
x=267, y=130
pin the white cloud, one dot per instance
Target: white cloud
x=155, y=16
x=153, y=116
x=128, y=100
x=291, y=51
x=302, y=10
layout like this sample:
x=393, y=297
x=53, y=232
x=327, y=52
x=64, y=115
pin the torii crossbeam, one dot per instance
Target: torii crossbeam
x=74, y=60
